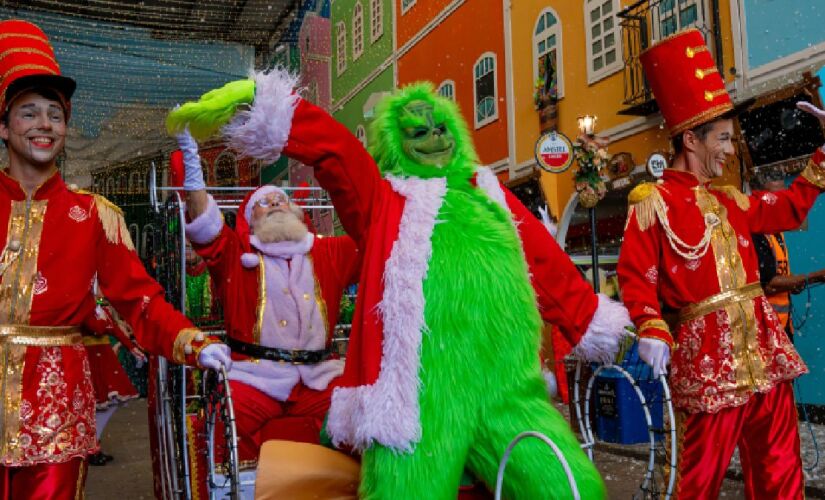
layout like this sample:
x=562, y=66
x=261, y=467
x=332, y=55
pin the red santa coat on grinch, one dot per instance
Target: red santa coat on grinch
x=285, y=296
x=392, y=219
x=55, y=242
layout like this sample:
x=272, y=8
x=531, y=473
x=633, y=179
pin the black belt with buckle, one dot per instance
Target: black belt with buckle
x=292, y=356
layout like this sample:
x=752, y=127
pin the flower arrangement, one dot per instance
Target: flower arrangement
x=592, y=156
x=544, y=94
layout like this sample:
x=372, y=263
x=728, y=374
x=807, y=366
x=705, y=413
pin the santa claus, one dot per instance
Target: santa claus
x=280, y=286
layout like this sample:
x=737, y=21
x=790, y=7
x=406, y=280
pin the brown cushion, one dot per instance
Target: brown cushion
x=302, y=471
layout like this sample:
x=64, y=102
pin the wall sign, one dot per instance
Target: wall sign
x=656, y=164
x=554, y=152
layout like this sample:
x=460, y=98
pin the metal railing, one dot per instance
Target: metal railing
x=647, y=21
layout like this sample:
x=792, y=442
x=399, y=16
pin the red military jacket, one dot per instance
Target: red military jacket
x=65, y=237
x=688, y=245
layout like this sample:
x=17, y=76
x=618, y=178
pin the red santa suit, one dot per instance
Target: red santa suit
x=688, y=245
x=280, y=303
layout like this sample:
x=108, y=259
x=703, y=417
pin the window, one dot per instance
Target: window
x=361, y=135
x=357, y=31
x=406, y=5
x=341, y=46
x=676, y=15
x=226, y=169
x=603, y=35
x=484, y=72
x=447, y=89
x=547, y=54
x=376, y=20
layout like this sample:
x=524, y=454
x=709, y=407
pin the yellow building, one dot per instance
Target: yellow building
x=595, y=46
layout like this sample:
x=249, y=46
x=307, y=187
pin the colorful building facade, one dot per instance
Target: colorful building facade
x=472, y=72
x=363, y=63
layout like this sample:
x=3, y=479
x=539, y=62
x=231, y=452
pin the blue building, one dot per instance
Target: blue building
x=777, y=58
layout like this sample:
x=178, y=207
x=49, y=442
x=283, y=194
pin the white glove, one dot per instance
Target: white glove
x=193, y=174
x=214, y=356
x=656, y=353
x=810, y=108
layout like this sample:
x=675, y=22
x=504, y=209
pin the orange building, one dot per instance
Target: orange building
x=459, y=46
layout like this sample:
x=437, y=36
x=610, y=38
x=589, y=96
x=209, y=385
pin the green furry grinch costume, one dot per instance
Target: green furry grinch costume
x=443, y=367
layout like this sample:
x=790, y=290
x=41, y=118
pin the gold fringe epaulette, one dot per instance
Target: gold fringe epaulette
x=741, y=199
x=111, y=218
x=815, y=173
x=645, y=201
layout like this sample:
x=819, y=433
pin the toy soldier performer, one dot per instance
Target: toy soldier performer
x=55, y=239
x=688, y=245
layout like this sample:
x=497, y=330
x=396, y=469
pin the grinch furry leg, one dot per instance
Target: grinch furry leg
x=480, y=379
x=533, y=470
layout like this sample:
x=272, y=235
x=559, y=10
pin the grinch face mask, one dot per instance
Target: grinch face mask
x=425, y=140
x=417, y=133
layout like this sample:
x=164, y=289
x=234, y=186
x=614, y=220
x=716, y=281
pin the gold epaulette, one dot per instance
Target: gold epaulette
x=641, y=192
x=741, y=199
x=815, y=173
x=645, y=201
x=111, y=218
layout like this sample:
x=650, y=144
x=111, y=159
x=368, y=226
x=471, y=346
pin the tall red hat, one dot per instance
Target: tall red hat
x=686, y=82
x=27, y=61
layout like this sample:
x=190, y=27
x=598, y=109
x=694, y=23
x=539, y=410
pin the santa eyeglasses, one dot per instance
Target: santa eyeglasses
x=272, y=201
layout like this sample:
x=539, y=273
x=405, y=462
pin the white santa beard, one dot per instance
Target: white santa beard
x=279, y=226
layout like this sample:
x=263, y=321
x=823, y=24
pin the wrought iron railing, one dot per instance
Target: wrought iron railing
x=647, y=21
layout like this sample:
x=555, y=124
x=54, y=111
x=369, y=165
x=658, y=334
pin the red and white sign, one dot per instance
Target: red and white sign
x=554, y=152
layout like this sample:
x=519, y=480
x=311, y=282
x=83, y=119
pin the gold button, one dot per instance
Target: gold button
x=700, y=74
x=306, y=296
x=689, y=52
x=283, y=322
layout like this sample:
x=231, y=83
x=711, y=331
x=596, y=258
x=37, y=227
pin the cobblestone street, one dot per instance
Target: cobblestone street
x=129, y=476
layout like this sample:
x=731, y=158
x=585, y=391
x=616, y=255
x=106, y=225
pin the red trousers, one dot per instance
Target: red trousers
x=259, y=418
x=765, y=429
x=44, y=482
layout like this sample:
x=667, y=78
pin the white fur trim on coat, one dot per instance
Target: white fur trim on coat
x=207, y=226
x=488, y=182
x=262, y=131
x=607, y=328
x=387, y=412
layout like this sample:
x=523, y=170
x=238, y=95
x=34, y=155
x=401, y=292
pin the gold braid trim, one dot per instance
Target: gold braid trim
x=741, y=199
x=815, y=174
x=654, y=323
x=183, y=344
x=111, y=218
x=645, y=200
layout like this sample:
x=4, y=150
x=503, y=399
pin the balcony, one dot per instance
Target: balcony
x=647, y=21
